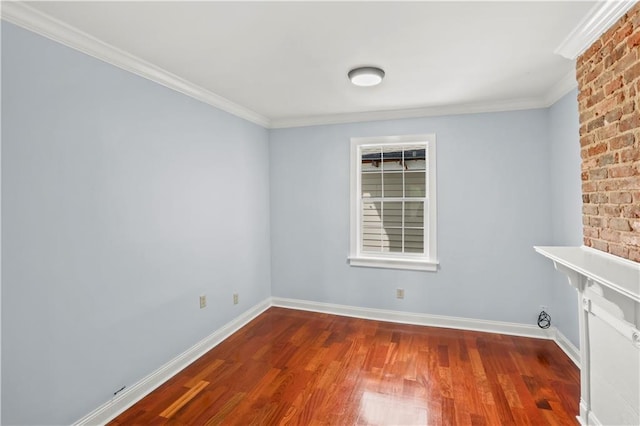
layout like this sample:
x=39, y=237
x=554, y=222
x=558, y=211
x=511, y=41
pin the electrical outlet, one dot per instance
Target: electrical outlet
x=203, y=301
x=399, y=293
x=235, y=298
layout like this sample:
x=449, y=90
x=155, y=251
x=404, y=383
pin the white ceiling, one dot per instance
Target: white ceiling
x=288, y=61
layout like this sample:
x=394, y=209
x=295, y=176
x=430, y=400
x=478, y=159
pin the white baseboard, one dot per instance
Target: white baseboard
x=567, y=347
x=109, y=410
x=135, y=393
x=459, y=323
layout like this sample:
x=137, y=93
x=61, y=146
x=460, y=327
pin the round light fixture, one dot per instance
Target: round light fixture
x=366, y=76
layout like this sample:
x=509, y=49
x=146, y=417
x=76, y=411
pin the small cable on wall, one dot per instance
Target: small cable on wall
x=544, y=320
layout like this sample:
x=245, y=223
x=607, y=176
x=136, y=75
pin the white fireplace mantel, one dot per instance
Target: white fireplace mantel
x=609, y=295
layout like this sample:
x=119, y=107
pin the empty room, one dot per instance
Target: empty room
x=320, y=213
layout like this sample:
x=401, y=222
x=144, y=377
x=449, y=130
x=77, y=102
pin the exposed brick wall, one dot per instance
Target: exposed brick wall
x=608, y=76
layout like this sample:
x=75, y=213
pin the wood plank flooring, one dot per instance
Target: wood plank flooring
x=303, y=368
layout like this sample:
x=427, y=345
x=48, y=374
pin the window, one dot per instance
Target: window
x=393, y=202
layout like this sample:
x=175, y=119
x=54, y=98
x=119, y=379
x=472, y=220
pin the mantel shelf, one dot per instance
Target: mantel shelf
x=609, y=297
x=621, y=275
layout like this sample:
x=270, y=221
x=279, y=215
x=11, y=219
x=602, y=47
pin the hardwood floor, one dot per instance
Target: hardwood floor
x=304, y=368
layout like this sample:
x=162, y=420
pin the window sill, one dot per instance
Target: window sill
x=391, y=263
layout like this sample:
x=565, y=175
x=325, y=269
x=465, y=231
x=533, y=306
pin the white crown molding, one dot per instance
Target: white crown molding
x=598, y=20
x=25, y=16
x=128, y=397
x=510, y=105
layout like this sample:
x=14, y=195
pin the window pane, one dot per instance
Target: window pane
x=392, y=185
x=414, y=158
x=371, y=185
x=414, y=240
x=414, y=184
x=414, y=214
x=392, y=240
x=392, y=214
x=392, y=158
x=372, y=230
x=371, y=159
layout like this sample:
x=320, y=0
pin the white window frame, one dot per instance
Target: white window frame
x=423, y=262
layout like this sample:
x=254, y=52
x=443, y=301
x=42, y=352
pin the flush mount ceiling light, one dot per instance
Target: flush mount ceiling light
x=366, y=76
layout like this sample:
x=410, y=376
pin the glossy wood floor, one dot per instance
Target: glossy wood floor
x=303, y=368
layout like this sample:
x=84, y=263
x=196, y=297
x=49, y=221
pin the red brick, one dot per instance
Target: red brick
x=632, y=182
x=593, y=73
x=599, y=198
x=625, y=31
x=629, y=106
x=607, y=132
x=613, y=116
x=595, y=98
x=634, y=40
x=631, y=211
x=591, y=232
x=592, y=50
x=598, y=174
x=618, y=197
x=629, y=155
x=614, y=56
x=613, y=85
x=589, y=187
x=607, y=159
x=622, y=141
x=619, y=224
x=587, y=115
x=599, y=245
x=587, y=139
x=630, y=122
x=621, y=171
x=619, y=250
x=609, y=210
x=590, y=209
x=610, y=235
x=634, y=254
x=635, y=225
x=632, y=73
x=597, y=149
x=595, y=222
x=630, y=238
x=625, y=62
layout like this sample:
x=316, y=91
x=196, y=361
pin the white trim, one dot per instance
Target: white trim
x=593, y=420
x=595, y=23
x=109, y=410
x=390, y=263
x=567, y=347
x=419, y=262
x=354, y=117
x=458, y=323
x=25, y=16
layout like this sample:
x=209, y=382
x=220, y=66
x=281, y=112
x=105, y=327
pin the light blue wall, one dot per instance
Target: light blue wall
x=566, y=205
x=123, y=201
x=493, y=206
